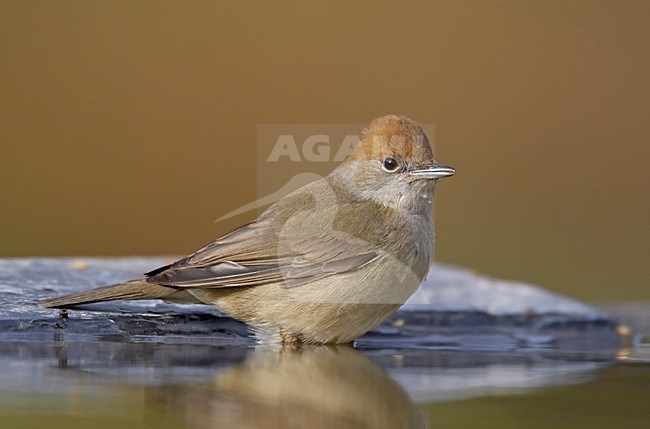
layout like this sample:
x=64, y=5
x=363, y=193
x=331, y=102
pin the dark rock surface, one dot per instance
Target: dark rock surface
x=455, y=309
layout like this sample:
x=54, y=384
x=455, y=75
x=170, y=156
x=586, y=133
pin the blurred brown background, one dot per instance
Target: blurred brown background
x=128, y=127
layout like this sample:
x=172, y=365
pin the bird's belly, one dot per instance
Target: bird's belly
x=335, y=309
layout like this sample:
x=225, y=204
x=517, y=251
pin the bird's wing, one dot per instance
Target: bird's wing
x=264, y=252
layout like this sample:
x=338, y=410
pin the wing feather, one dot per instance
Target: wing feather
x=271, y=249
x=248, y=258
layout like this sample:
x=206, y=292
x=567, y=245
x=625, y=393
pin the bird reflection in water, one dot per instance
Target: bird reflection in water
x=295, y=387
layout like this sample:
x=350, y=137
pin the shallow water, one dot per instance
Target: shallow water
x=145, y=384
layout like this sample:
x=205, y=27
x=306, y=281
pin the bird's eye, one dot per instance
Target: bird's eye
x=390, y=165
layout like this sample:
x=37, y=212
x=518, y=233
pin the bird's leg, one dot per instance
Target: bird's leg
x=288, y=338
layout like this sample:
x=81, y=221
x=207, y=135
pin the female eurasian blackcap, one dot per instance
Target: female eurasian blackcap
x=326, y=263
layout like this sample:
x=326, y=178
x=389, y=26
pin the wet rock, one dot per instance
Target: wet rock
x=454, y=309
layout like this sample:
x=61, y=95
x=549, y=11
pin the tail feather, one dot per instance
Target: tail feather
x=134, y=289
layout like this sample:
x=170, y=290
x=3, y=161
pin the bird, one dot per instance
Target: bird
x=324, y=264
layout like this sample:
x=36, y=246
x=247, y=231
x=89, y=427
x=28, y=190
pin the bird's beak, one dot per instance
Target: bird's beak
x=432, y=172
